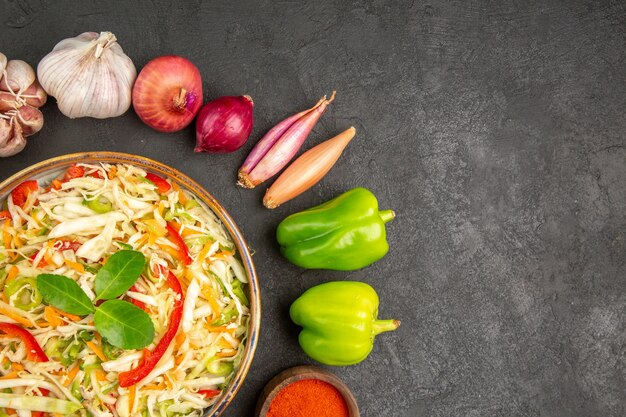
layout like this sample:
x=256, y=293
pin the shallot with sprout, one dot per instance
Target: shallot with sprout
x=20, y=96
x=280, y=145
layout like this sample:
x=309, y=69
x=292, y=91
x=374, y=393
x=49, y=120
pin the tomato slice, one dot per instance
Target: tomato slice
x=21, y=192
x=160, y=183
x=74, y=171
x=209, y=393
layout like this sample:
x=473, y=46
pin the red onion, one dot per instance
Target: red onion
x=224, y=124
x=168, y=93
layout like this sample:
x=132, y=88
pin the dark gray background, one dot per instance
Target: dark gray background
x=496, y=130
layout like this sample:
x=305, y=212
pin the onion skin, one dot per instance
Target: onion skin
x=285, y=147
x=307, y=170
x=224, y=124
x=168, y=93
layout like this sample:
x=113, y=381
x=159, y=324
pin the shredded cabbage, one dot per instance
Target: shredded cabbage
x=57, y=232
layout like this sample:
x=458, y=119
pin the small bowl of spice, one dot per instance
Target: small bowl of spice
x=306, y=391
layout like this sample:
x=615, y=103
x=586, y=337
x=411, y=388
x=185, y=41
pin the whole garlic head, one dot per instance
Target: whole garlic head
x=89, y=75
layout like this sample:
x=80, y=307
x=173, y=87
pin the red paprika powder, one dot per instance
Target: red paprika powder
x=308, y=398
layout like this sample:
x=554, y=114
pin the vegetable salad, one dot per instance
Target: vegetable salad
x=71, y=245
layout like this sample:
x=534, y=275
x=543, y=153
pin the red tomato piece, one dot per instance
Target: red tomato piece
x=74, y=171
x=21, y=192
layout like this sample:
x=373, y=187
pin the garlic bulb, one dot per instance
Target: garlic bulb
x=89, y=75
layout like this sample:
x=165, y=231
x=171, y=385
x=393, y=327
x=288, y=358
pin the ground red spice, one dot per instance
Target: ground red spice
x=308, y=398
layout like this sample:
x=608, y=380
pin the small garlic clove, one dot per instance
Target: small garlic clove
x=35, y=95
x=5, y=131
x=9, y=101
x=18, y=77
x=30, y=119
x=12, y=140
x=3, y=63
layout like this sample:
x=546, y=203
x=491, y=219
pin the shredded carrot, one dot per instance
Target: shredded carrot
x=75, y=266
x=189, y=232
x=101, y=375
x=58, y=415
x=48, y=258
x=179, y=359
x=160, y=208
x=150, y=387
x=22, y=320
x=182, y=198
x=12, y=274
x=17, y=367
x=217, y=328
x=112, y=172
x=209, y=294
x=96, y=349
x=69, y=316
x=152, y=238
x=205, y=250
x=6, y=236
x=51, y=315
x=17, y=242
x=169, y=250
x=223, y=254
x=226, y=353
x=56, y=184
x=180, y=338
x=132, y=391
x=168, y=382
x=71, y=375
x=10, y=375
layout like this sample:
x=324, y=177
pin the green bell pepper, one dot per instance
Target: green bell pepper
x=25, y=294
x=344, y=234
x=339, y=321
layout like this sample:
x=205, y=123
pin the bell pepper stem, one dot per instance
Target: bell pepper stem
x=381, y=326
x=387, y=215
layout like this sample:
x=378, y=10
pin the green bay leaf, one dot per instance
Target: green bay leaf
x=124, y=325
x=64, y=293
x=119, y=273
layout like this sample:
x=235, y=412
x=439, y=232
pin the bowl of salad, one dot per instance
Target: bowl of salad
x=126, y=290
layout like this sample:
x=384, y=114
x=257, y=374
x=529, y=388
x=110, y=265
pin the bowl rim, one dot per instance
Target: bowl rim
x=191, y=185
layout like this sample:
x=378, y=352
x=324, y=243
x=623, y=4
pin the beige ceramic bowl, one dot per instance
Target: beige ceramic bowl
x=47, y=170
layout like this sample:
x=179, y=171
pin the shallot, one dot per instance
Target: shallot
x=168, y=93
x=279, y=145
x=224, y=124
x=307, y=170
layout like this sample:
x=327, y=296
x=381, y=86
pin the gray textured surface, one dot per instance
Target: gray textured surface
x=494, y=129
